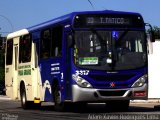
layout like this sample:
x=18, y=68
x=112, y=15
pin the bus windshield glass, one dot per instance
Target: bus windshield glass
x=110, y=50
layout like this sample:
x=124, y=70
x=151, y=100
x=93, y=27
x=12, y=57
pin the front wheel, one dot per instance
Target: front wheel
x=59, y=105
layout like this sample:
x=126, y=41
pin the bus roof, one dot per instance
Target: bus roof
x=17, y=33
x=68, y=17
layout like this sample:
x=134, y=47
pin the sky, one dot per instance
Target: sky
x=19, y=14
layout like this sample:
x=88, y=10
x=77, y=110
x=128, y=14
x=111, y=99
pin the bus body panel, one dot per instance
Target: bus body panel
x=50, y=70
x=102, y=85
x=102, y=95
x=11, y=73
x=103, y=79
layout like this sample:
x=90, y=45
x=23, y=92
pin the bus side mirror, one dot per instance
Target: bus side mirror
x=150, y=44
x=151, y=32
x=152, y=36
x=70, y=41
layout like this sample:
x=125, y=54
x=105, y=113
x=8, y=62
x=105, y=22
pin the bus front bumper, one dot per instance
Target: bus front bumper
x=102, y=95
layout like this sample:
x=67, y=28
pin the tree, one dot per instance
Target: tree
x=156, y=32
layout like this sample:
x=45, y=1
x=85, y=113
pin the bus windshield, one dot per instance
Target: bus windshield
x=110, y=50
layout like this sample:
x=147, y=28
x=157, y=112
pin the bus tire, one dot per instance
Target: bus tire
x=24, y=103
x=59, y=105
x=118, y=105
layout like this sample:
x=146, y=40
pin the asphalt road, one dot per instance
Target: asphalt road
x=11, y=110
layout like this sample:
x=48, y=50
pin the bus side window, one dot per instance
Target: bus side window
x=9, y=55
x=57, y=33
x=25, y=49
x=45, y=44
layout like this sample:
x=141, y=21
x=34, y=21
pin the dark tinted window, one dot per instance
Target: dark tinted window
x=45, y=44
x=9, y=55
x=25, y=49
x=57, y=33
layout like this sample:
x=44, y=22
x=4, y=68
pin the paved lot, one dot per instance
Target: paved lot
x=11, y=110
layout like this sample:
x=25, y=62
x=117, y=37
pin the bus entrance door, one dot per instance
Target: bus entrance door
x=15, y=73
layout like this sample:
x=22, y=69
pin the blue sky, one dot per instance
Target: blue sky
x=26, y=13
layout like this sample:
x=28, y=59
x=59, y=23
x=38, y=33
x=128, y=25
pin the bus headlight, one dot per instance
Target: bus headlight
x=81, y=82
x=141, y=81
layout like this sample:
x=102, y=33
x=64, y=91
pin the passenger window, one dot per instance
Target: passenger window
x=9, y=55
x=45, y=44
x=25, y=49
x=57, y=33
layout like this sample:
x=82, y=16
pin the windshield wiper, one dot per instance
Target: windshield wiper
x=123, y=35
x=114, y=46
x=99, y=36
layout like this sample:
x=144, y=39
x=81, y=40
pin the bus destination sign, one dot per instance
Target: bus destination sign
x=107, y=21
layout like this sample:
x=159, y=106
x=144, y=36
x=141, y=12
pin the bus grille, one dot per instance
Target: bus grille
x=111, y=77
x=104, y=81
x=107, y=85
x=112, y=93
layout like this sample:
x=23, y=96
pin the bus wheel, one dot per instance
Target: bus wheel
x=57, y=99
x=118, y=105
x=24, y=103
x=59, y=105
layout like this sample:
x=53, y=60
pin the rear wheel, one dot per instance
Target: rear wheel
x=24, y=103
x=118, y=105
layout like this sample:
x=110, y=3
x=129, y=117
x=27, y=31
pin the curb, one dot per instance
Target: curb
x=146, y=101
x=3, y=97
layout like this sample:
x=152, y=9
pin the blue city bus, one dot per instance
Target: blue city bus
x=82, y=57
